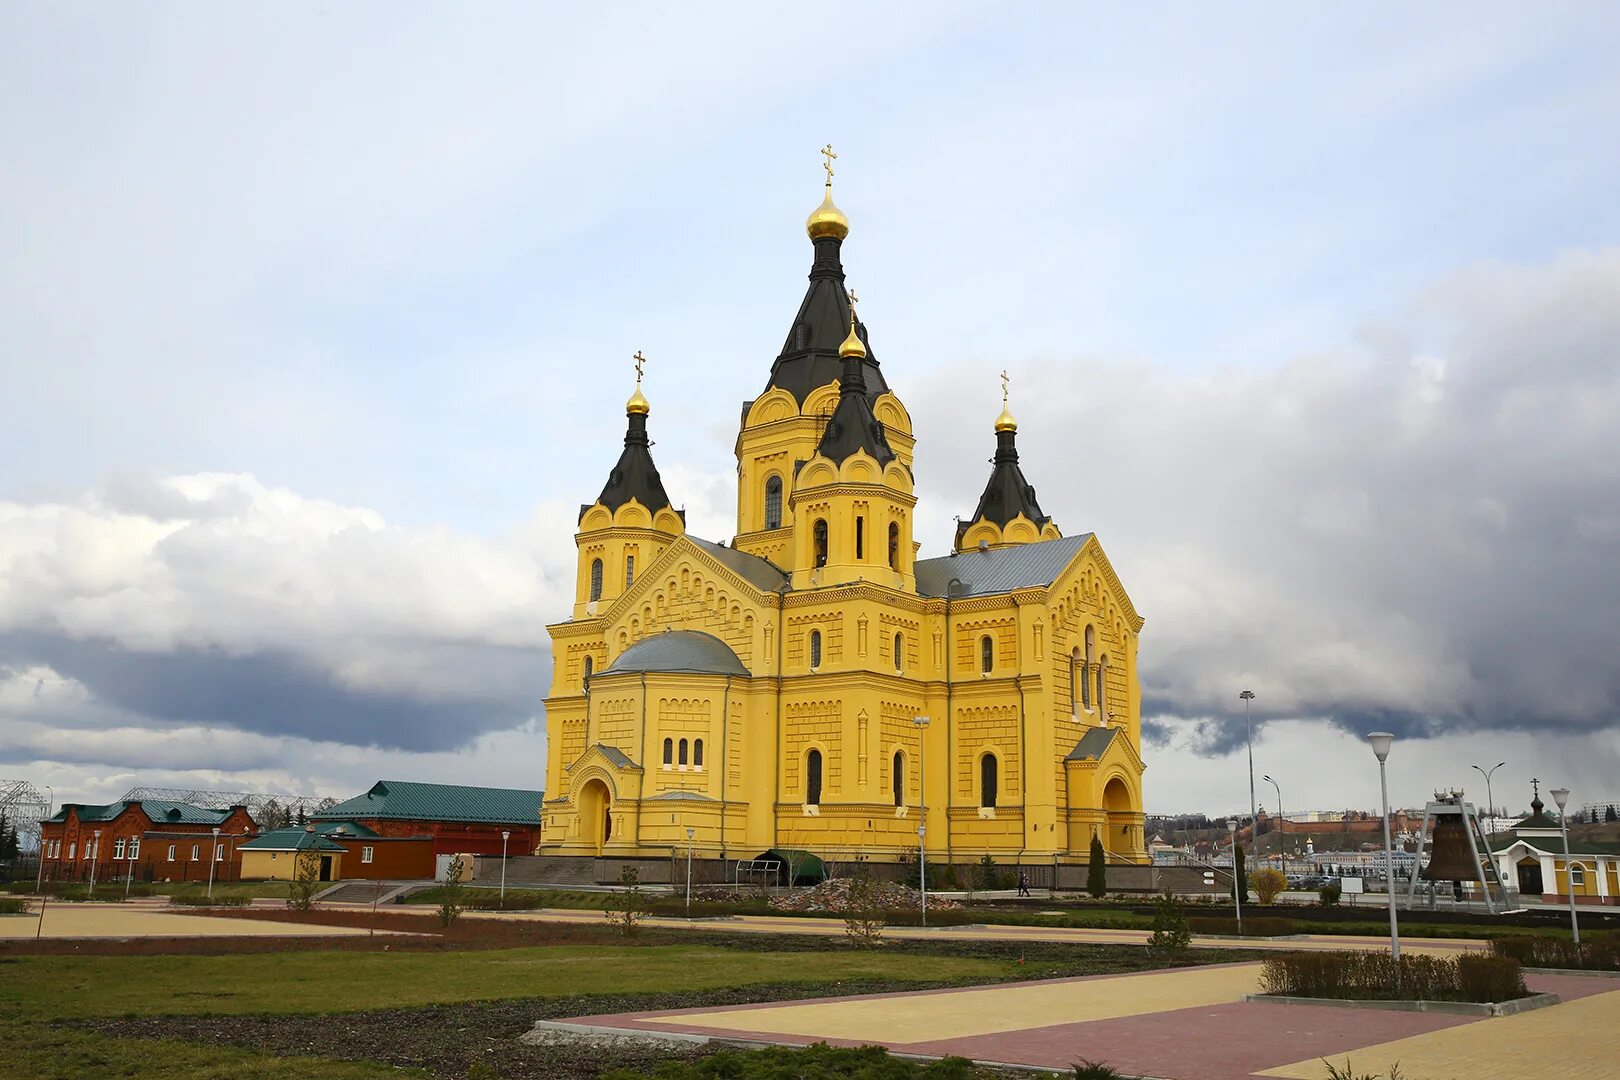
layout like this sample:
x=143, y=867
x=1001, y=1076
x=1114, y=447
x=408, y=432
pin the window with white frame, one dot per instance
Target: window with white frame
x=134, y=849
x=219, y=852
x=171, y=853
x=118, y=848
x=366, y=853
x=1577, y=874
x=196, y=852
x=73, y=846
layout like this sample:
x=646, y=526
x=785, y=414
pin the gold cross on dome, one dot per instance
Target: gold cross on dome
x=827, y=152
x=639, y=359
x=1004, y=387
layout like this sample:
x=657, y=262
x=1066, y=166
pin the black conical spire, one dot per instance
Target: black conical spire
x=635, y=476
x=852, y=426
x=1007, y=494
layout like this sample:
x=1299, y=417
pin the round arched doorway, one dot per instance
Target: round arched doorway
x=1117, y=803
x=595, y=813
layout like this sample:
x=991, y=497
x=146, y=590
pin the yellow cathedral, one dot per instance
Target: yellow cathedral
x=813, y=685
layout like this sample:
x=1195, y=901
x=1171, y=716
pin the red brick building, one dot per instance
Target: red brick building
x=366, y=853
x=460, y=820
x=149, y=839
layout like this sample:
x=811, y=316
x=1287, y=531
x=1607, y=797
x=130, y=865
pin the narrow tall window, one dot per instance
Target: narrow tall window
x=629, y=570
x=899, y=778
x=1085, y=669
x=894, y=545
x=812, y=778
x=590, y=667
x=815, y=648
x=820, y=537
x=860, y=538
x=219, y=852
x=118, y=848
x=135, y=849
x=987, y=653
x=596, y=579
x=1077, y=677
x=697, y=752
x=1102, y=686
x=899, y=651
x=684, y=749
x=196, y=852
x=987, y=780
x=171, y=853
x=669, y=751
x=773, y=503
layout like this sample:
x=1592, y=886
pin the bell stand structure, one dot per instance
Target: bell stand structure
x=1448, y=807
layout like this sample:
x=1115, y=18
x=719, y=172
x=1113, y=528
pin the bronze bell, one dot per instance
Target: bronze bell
x=1450, y=859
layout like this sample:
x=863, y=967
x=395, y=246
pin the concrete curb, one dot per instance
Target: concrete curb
x=1453, y=1008
x=1590, y=973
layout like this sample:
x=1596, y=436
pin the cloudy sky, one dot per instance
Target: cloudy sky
x=315, y=327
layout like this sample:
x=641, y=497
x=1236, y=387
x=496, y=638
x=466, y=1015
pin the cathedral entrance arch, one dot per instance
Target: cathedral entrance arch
x=595, y=813
x=1117, y=803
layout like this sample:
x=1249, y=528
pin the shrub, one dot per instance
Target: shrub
x=203, y=901
x=1328, y=895
x=1097, y=873
x=305, y=881
x=628, y=906
x=1096, y=1070
x=1240, y=869
x=1268, y=884
x=1376, y=976
x=451, y=891
x=816, y=1062
x=1599, y=951
x=1171, y=934
x=10, y=905
x=863, y=918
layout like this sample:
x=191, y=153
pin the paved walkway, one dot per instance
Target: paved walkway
x=146, y=920
x=1183, y=1024
x=785, y=924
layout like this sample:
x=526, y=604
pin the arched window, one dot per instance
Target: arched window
x=697, y=752
x=987, y=780
x=683, y=752
x=590, y=666
x=773, y=503
x=812, y=778
x=815, y=648
x=860, y=538
x=1577, y=875
x=894, y=545
x=1102, y=686
x=596, y=579
x=987, y=653
x=899, y=778
x=629, y=570
x=669, y=751
x=899, y=651
x=820, y=536
x=1085, y=669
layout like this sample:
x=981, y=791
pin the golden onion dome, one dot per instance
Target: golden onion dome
x=1005, y=421
x=637, y=405
x=852, y=344
x=827, y=220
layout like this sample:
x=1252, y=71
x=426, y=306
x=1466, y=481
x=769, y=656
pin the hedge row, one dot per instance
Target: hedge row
x=1373, y=976
x=1257, y=926
x=204, y=901
x=1599, y=951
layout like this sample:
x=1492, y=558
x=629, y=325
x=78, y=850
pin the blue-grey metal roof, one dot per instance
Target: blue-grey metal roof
x=290, y=840
x=1093, y=744
x=689, y=652
x=159, y=811
x=404, y=800
x=615, y=755
x=998, y=570
x=761, y=573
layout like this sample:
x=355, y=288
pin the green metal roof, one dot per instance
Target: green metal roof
x=403, y=800
x=347, y=828
x=290, y=840
x=160, y=811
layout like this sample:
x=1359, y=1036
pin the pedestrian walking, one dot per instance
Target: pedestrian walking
x=1023, y=883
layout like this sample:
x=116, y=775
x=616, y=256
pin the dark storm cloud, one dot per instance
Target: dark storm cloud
x=1420, y=532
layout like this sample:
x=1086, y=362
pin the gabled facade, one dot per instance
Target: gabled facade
x=457, y=819
x=1530, y=857
x=149, y=839
x=765, y=694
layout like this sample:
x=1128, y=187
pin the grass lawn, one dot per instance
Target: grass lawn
x=38, y=1052
x=51, y=987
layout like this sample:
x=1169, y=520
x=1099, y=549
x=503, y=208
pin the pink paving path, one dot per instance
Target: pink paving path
x=1229, y=1041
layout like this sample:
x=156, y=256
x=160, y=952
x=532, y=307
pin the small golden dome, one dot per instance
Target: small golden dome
x=827, y=220
x=1005, y=421
x=637, y=404
x=852, y=344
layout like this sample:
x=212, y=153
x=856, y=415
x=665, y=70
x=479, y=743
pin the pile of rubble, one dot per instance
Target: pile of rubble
x=833, y=895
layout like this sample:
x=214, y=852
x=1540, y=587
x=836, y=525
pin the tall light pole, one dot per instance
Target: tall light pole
x=690, y=832
x=1282, y=823
x=1254, y=807
x=1487, y=775
x=1561, y=797
x=506, y=834
x=213, y=857
x=95, y=853
x=1381, y=741
x=1231, y=827
x=922, y=812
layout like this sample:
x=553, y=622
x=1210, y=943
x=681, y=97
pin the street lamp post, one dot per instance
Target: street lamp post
x=213, y=857
x=1487, y=775
x=506, y=834
x=1381, y=741
x=50, y=803
x=1237, y=901
x=922, y=812
x=1282, y=823
x=1254, y=807
x=95, y=853
x=690, y=832
x=1561, y=797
